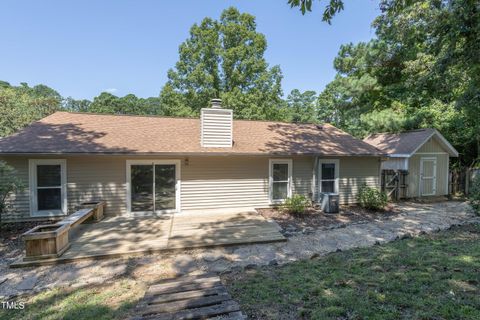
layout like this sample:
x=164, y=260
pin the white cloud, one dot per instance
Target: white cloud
x=111, y=90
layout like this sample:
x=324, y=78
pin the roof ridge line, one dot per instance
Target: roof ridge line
x=178, y=117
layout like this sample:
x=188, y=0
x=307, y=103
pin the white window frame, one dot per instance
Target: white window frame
x=434, y=178
x=336, y=179
x=32, y=177
x=271, y=162
x=178, y=183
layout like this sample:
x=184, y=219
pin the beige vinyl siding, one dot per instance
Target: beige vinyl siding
x=88, y=178
x=97, y=178
x=209, y=182
x=356, y=172
x=236, y=182
x=302, y=175
x=224, y=182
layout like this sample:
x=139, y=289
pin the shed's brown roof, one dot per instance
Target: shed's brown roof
x=404, y=143
x=65, y=132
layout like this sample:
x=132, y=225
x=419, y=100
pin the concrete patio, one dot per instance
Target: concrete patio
x=129, y=236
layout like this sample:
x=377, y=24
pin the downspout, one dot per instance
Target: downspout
x=314, y=182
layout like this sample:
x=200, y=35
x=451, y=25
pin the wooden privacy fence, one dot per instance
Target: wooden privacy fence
x=394, y=183
x=460, y=180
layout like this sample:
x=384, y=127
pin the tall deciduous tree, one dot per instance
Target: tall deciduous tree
x=20, y=106
x=224, y=59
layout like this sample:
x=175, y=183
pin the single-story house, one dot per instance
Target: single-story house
x=424, y=153
x=146, y=164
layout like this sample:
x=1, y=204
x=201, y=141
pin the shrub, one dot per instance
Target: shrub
x=474, y=193
x=297, y=204
x=9, y=183
x=372, y=198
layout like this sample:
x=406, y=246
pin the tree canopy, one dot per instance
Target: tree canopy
x=22, y=105
x=331, y=9
x=421, y=70
x=225, y=59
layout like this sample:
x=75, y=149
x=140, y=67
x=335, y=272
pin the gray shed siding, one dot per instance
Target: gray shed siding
x=208, y=182
x=431, y=149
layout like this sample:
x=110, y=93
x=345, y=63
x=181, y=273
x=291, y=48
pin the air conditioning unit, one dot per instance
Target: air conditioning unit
x=329, y=202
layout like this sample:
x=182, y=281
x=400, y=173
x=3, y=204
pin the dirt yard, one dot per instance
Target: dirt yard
x=11, y=244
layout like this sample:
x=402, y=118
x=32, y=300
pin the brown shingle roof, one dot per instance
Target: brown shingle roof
x=400, y=143
x=64, y=132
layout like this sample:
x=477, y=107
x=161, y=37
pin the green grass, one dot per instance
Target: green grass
x=432, y=277
x=109, y=301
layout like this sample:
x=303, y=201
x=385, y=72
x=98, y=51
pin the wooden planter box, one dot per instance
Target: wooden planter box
x=46, y=241
x=98, y=206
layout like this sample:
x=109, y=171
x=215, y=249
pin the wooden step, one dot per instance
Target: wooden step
x=190, y=303
x=192, y=297
x=185, y=295
x=159, y=289
x=223, y=308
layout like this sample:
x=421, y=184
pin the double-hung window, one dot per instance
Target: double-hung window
x=328, y=175
x=280, y=180
x=48, y=191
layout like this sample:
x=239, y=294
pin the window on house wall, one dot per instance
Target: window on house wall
x=280, y=179
x=328, y=175
x=47, y=187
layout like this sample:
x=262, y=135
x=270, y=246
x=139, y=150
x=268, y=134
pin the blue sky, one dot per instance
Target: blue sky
x=81, y=48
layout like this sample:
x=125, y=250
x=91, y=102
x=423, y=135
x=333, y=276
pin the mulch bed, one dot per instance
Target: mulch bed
x=11, y=235
x=316, y=219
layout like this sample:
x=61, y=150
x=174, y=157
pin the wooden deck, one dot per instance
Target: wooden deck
x=129, y=236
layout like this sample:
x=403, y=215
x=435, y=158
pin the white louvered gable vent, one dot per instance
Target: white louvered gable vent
x=216, y=126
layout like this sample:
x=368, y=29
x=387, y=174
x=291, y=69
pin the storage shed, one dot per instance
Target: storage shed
x=424, y=153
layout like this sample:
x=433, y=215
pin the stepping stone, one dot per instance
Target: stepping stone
x=212, y=256
x=219, y=266
x=28, y=283
x=184, y=264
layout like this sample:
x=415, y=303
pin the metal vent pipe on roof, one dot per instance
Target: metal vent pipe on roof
x=216, y=103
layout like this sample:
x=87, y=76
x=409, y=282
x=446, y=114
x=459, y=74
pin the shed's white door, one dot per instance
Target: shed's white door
x=428, y=176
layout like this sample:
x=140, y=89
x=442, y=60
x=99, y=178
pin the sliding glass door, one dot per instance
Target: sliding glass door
x=142, y=188
x=165, y=194
x=153, y=186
